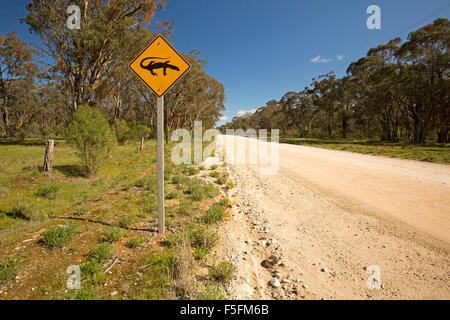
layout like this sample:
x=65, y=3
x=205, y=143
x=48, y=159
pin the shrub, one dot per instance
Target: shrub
x=129, y=131
x=59, y=237
x=90, y=134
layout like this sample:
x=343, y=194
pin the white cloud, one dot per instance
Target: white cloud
x=340, y=56
x=319, y=59
x=223, y=118
x=245, y=112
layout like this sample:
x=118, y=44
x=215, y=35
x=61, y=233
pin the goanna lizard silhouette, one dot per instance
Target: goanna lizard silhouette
x=152, y=65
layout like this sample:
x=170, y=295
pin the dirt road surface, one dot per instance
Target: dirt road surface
x=334, y=217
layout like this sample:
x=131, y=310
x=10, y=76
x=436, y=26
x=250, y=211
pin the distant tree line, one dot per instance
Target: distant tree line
x=397, y=92
x=41, y=88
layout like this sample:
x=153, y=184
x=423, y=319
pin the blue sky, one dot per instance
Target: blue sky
x=261, y=49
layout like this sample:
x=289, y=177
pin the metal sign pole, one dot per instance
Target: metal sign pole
x=160, y=151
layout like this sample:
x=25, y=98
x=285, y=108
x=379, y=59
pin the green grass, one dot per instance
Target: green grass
x=202, y=239
x=199, y=191
x=184, y=208
x=59, y=237
x=174, y=194
x=9, y=269
x=125, y=222
x=161, y=272
x=215, y=213
x=148, y=183
x=190, y=171
x=222, y=272
x=96, y=257
x=48, y=191
x=432, y=152
x=136, y=242
x=221, y=180
x=112, y=235
x=123, y=193
x=211, y=292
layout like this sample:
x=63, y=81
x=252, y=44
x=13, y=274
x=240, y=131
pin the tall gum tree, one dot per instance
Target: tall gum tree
x=84, y=57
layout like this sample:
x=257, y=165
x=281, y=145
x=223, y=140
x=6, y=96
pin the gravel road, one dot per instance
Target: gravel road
x=337, y=216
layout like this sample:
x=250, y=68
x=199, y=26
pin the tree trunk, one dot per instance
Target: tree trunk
x=48, y=159
x=443, y=135
x=142, y=144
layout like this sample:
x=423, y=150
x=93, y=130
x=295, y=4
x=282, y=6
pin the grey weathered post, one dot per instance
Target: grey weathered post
x=160, y=151
x=142, y=144
x=48, y=158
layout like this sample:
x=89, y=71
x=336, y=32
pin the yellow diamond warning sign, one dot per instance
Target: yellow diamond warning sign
x=159, y=65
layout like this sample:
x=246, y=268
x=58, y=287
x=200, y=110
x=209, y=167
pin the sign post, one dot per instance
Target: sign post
x=160, y=66
x=160, y=152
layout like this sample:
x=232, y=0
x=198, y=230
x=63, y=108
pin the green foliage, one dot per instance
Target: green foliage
x=221, y=180
x=148, y=183
x=215, y=213
x=197, y=190
x=80, y=212
x=129, y=131
x=96, y=257
x=149, y=203
x=48, y=191
x=174, y=194
x=101, y=252
x=184, y=207
x=211, y=292
x=202, y=240
x=160, y=275
x=136, y=242
x=222, y=272
x=125, y=222
x=90, y=134
x=175, y=179
x=111, y=235
x=9, y=268
x=175, y=239
x=59, y=237
x=190, y=170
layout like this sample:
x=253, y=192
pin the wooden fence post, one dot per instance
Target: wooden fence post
x=142, y=144
x=48, y=159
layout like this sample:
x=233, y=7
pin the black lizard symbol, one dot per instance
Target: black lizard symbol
x=152, y=65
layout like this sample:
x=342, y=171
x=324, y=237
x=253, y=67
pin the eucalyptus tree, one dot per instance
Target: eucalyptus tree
x=17, y=67
x=85, y=56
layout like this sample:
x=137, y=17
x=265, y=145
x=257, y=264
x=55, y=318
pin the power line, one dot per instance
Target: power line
x=408, y=28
